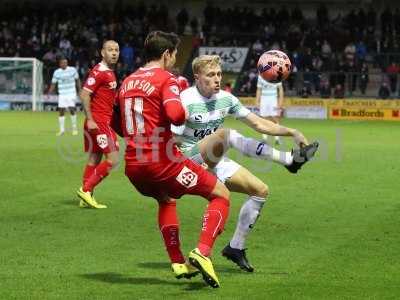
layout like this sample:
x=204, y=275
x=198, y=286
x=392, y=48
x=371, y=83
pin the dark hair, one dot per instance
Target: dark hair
x=61, y=57
x=157, y=42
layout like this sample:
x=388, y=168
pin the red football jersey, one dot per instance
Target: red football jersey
x=143, y=98
x=102, y=84
x=183, y=83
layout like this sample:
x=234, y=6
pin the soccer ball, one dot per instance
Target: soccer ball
x=274, y=66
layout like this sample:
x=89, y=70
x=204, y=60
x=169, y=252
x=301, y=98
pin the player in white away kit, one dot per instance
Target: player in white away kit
x=204, y=141
x=68, y=84
x=269, y=96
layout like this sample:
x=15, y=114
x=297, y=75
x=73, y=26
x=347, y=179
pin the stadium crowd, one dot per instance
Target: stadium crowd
x=325, y=47
x=328, y=53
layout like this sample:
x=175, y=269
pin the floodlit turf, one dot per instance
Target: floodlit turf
x=330, y=232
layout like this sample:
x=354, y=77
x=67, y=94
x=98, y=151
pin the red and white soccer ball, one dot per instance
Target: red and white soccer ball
x=274, y=66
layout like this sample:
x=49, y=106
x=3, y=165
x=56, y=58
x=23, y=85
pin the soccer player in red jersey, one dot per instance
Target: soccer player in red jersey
x=149, y=102
x=183, y=83
x=98, y=98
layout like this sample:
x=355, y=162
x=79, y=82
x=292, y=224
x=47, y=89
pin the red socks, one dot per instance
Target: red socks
x=87, y=173
x=213, y=224
x=99, y=172
x=169, y=227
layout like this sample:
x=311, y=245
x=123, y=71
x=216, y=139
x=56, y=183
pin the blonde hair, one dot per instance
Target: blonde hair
x=200, y=62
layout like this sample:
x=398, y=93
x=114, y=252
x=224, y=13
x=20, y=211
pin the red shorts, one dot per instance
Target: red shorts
x=171, y=179
x=102, y=140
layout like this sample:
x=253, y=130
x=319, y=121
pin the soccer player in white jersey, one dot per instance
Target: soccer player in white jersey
x=68, y=85
x=204, y=141
x=269, y=97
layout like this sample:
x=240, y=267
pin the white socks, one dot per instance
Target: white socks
x=254, y=148
x=73, y=121
x=247, y=218
x=61, y=122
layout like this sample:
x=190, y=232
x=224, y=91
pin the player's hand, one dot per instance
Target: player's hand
x=91, y=125
x=299, y=139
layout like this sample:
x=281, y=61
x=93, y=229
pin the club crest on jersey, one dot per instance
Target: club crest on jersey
x=187, y=177
x=102, y=141
x=91, y=81
x=174, y=89
x=113, y=85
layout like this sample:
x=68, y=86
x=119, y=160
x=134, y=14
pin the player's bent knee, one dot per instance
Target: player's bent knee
x=113, y=161
x=264, y=191
x=260, y=190
x=222, y=132
x=220, y=190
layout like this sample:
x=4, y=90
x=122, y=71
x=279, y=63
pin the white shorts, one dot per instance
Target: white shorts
x=223, y=170
x=269, y=107
x=64, y=102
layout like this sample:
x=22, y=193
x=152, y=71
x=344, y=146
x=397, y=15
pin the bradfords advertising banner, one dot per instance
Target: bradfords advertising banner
x=353, y=113
x=232, y=57
x=352, y=109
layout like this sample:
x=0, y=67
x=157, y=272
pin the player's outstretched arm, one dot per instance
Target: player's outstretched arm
x=267, y=127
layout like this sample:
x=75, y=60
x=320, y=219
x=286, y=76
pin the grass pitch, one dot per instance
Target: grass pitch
x=330, y=232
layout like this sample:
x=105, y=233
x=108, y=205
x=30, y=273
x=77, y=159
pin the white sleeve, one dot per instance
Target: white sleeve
x=237, y=109
x=76, y=75
x=177, y=130
x=260, y=82
x=54, y=80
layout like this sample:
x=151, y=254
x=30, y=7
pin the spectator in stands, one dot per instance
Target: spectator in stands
x=351, y=71
x=50, y=56
x=316, y=68
x=228, y=87
x=72, y=28
x=65, y=47
x=292, y=77
x=325, y=89
x=128, y=55
x=307, y=59
x=392, y=71
x=305, y=91
x=361, y=51
x=338, y=92
x=364, y=78
x=350, y=51
x=257, y=47
x=384, y=91
x=326, y=50
x=246, y=88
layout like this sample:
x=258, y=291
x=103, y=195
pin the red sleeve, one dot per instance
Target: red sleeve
x=172, y=102
x=183, y=83
x=93, y=81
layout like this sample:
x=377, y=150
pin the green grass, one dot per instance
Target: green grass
x=330, y=232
